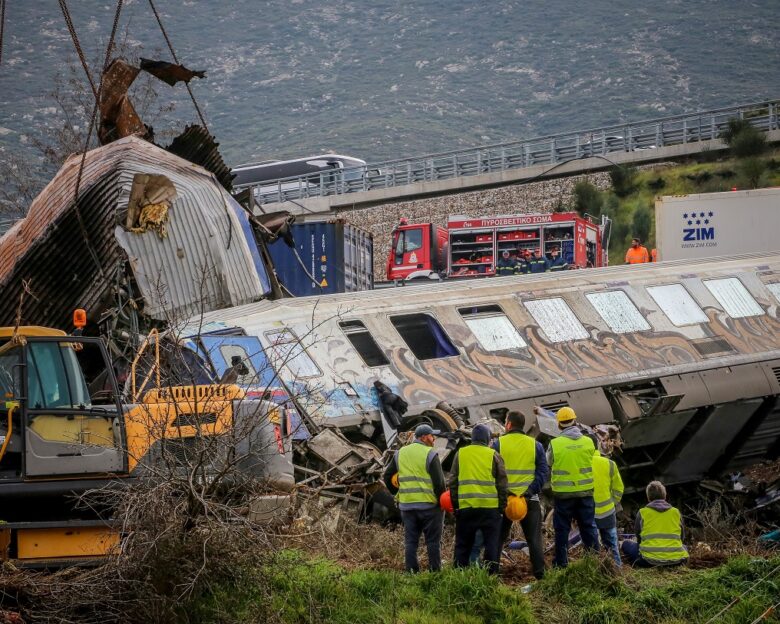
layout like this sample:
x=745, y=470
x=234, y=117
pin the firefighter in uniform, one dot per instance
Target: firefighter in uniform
x=521, y=266
x=570, y=457
x=420, y=483
x=607, y=492
x=505, y=264
x=537, y=264
x=478, y=488
x=526, y=471
x=557, y=263
x=659, y=530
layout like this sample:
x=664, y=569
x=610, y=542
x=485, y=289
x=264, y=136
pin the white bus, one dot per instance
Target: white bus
x=325, y=170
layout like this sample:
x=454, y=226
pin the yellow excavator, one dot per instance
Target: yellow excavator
x=65, y=430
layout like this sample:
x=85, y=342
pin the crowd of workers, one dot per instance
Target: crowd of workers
x=529, y=261
x=493, y=485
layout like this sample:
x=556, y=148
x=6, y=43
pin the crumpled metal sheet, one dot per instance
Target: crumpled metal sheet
x=170, y=72
x=198, y=146
x=118, y=117
x=207, y=261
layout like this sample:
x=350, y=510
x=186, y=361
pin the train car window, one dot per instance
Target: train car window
x=677, y=304
x=289, y=352
x=424, y=336
x=556, y=319
x=618, y=311
x=364, y=343
x=492, y=329
x=774, y=289
x=733, y=297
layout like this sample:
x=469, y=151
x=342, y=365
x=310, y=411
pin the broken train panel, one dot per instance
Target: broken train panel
x=151, y=233
x=685, y=357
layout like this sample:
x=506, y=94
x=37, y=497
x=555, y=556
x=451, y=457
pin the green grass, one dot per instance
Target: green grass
x=684, y=179
x=292, y=588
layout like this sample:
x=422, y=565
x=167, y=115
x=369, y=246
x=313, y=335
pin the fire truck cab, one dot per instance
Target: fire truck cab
x=471, y=247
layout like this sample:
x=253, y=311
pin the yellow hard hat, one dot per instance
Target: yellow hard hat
x=565, y=414
x=516, y=508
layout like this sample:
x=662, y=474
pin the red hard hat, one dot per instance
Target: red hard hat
x=445, y=502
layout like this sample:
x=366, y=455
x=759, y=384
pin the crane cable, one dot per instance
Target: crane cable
x=2, y=28
x=76, y=44
x=176, y=60
x=92, y=119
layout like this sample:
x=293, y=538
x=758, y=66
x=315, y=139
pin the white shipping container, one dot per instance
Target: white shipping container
x=717, y=224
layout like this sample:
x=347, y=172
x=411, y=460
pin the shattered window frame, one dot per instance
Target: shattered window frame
x=351, y=328
x=492, y=328
x=403, y=325
x=556, y=319
x=287, y=356
x=618, y=311
x=677, y=304
x=733, y=297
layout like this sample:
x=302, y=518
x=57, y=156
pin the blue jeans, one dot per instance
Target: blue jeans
x=609, y=539
x=582, y=511
x=427, y=522
x=630, y=550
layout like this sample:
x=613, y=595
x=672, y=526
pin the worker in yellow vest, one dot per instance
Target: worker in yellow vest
x=420, y=485
x=570, y=457
x=478, y=488
x=659, y=532
x=607, y=492
x=526, y=471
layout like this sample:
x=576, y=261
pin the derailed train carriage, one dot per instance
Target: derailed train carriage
x=683, y=356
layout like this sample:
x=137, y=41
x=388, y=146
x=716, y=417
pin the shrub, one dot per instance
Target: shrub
x=643, y=221
x=657, y=184
x=623, y=180
x=751, y=170
x=743, y=139
x=587, y=198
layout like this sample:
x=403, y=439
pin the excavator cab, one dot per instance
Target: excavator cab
x=61, y=414
x=61, y=433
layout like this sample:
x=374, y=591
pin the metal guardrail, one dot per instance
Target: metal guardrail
x=550, y=150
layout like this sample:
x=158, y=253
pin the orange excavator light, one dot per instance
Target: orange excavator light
x=79, y=318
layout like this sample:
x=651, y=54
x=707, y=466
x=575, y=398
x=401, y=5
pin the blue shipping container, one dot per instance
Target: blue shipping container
x=339, y=256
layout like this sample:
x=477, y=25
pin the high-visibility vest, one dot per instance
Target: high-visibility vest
x=661, y=536
x=607, y=485
x=414, y=481
x=476, y=484
x=572, y=468
x=519, y=453
x=521, y=268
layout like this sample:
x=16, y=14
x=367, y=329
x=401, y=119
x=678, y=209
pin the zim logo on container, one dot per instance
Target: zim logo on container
x=699, y=226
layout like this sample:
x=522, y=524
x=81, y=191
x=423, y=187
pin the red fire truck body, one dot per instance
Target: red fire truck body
x=471, y=247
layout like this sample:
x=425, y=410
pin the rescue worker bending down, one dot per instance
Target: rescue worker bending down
x=478, y=488
x=526, y=471
x=506, y=264
x=537, y=264
x=420, y=484
x=607, y=492
x=637, y=254
x=659, y=531
x=570, y=457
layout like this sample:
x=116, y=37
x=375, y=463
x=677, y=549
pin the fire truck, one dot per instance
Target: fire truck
x=470, y=247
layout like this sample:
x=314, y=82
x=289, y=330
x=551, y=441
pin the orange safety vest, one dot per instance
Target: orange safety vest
x=637, y=256
x=654, y=255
